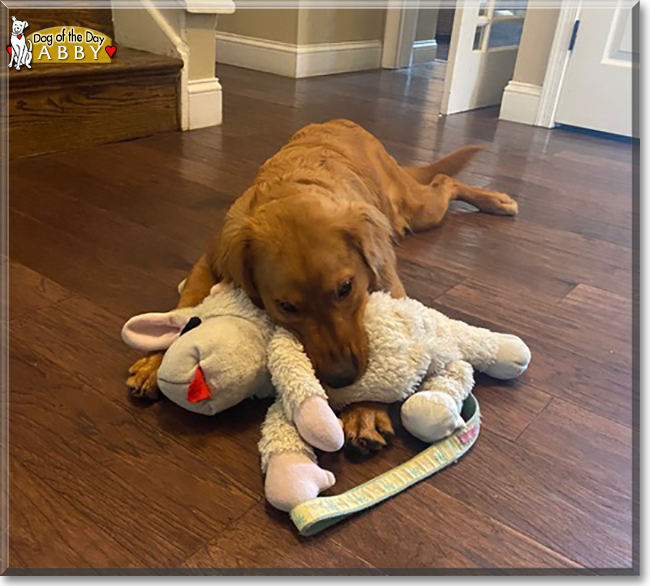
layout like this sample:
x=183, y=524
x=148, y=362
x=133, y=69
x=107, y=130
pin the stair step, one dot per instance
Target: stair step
x=61, y=107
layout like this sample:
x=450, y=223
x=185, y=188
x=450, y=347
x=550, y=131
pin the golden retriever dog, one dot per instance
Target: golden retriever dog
x=314, y=235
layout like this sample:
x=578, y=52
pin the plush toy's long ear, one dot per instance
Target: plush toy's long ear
x=153, y=331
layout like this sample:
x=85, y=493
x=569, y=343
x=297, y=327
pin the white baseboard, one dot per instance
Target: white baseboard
x=520, y=102
x=424, y=52
x=204, y=103
x=297, y=60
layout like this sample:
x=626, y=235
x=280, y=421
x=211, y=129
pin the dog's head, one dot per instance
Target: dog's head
x=311, y=263
x=18, y=26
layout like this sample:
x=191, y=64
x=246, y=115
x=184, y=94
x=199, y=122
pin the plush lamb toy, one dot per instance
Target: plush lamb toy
x=226, y=350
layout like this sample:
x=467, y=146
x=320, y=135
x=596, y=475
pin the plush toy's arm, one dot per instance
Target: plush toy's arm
x=280, y=436
x=292, y=372
x=292, y=473
x=434, y=412
x=303, y=398
x=501, y=356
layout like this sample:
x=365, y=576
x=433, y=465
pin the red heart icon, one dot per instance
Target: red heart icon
x=20, y=36
x=111, y=51
x=9, y=49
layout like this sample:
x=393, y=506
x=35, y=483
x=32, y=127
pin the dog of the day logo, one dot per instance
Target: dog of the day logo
x=59, y=44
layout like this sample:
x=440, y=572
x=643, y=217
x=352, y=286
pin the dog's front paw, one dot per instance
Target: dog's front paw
x=143, y=381
x=367, y=426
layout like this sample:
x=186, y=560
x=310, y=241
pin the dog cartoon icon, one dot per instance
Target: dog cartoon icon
x=21, y=53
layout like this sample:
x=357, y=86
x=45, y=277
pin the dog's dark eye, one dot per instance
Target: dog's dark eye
x=287, y=307
x=344, y=289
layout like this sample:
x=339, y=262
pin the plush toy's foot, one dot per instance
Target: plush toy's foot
x=431, y=415
x=512, y=360
x=318, y=425
x=293, y=478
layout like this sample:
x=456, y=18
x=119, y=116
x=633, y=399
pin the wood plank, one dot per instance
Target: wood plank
x=30, y=291
x=159, y=500
x=567, y=374
x=584, y=440
x=563, y=507
x=265, y=538
x=49, y=532
x=550, y=323
x=83, y=339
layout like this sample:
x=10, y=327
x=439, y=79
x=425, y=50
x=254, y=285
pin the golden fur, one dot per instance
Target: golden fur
x=314, y=235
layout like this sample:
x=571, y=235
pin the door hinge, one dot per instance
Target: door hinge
x=574, y=34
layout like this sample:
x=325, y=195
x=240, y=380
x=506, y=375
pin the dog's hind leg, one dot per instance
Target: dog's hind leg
x=450, y=165
x=428, y=207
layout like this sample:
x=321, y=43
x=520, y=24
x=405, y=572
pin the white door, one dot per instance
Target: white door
x=597, y=89
x=484, y=43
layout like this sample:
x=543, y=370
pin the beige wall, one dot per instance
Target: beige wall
x=274, y=25
x=306, y=26
x=535, y=45
x=337, y=25
x=426, y=24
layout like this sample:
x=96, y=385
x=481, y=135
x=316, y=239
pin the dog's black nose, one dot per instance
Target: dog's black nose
x=338, y=380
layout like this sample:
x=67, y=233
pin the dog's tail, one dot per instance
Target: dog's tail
x=450, y=165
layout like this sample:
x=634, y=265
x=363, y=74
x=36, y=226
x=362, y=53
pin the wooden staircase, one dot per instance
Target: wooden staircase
x=54, y=108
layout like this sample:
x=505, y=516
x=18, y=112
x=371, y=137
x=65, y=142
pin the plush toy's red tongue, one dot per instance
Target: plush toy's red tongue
x=198, y=389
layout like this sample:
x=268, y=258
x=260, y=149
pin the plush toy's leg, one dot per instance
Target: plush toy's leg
x=292, y=474
x=501, y=356
x=434, y=412
x=302, y=396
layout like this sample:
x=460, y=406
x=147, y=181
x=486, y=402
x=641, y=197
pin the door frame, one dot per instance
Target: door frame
x=399, y=33
x=558, y=61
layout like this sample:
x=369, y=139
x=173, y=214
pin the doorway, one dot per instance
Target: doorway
x=472, y=47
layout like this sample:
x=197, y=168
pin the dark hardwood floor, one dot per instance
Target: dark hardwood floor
x=99, y=480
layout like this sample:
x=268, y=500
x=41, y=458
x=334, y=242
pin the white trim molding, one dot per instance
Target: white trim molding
x=520, y=102
x=424, y=52
x=297, y=60
x=399, y=33
x=204, y=103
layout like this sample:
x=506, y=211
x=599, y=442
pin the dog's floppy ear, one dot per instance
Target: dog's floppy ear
x=233, y=257
x=368, y=231
x=13, y=18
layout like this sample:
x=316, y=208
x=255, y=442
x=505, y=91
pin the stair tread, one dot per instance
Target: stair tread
x=125, y=62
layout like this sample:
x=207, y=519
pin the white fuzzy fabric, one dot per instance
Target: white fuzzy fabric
x=292, y=373
x=280, y=436
x=407, y=343
x=411, y=348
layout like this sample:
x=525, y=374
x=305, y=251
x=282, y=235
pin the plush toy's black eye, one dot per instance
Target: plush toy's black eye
x=345, y=289
x=191, y=324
